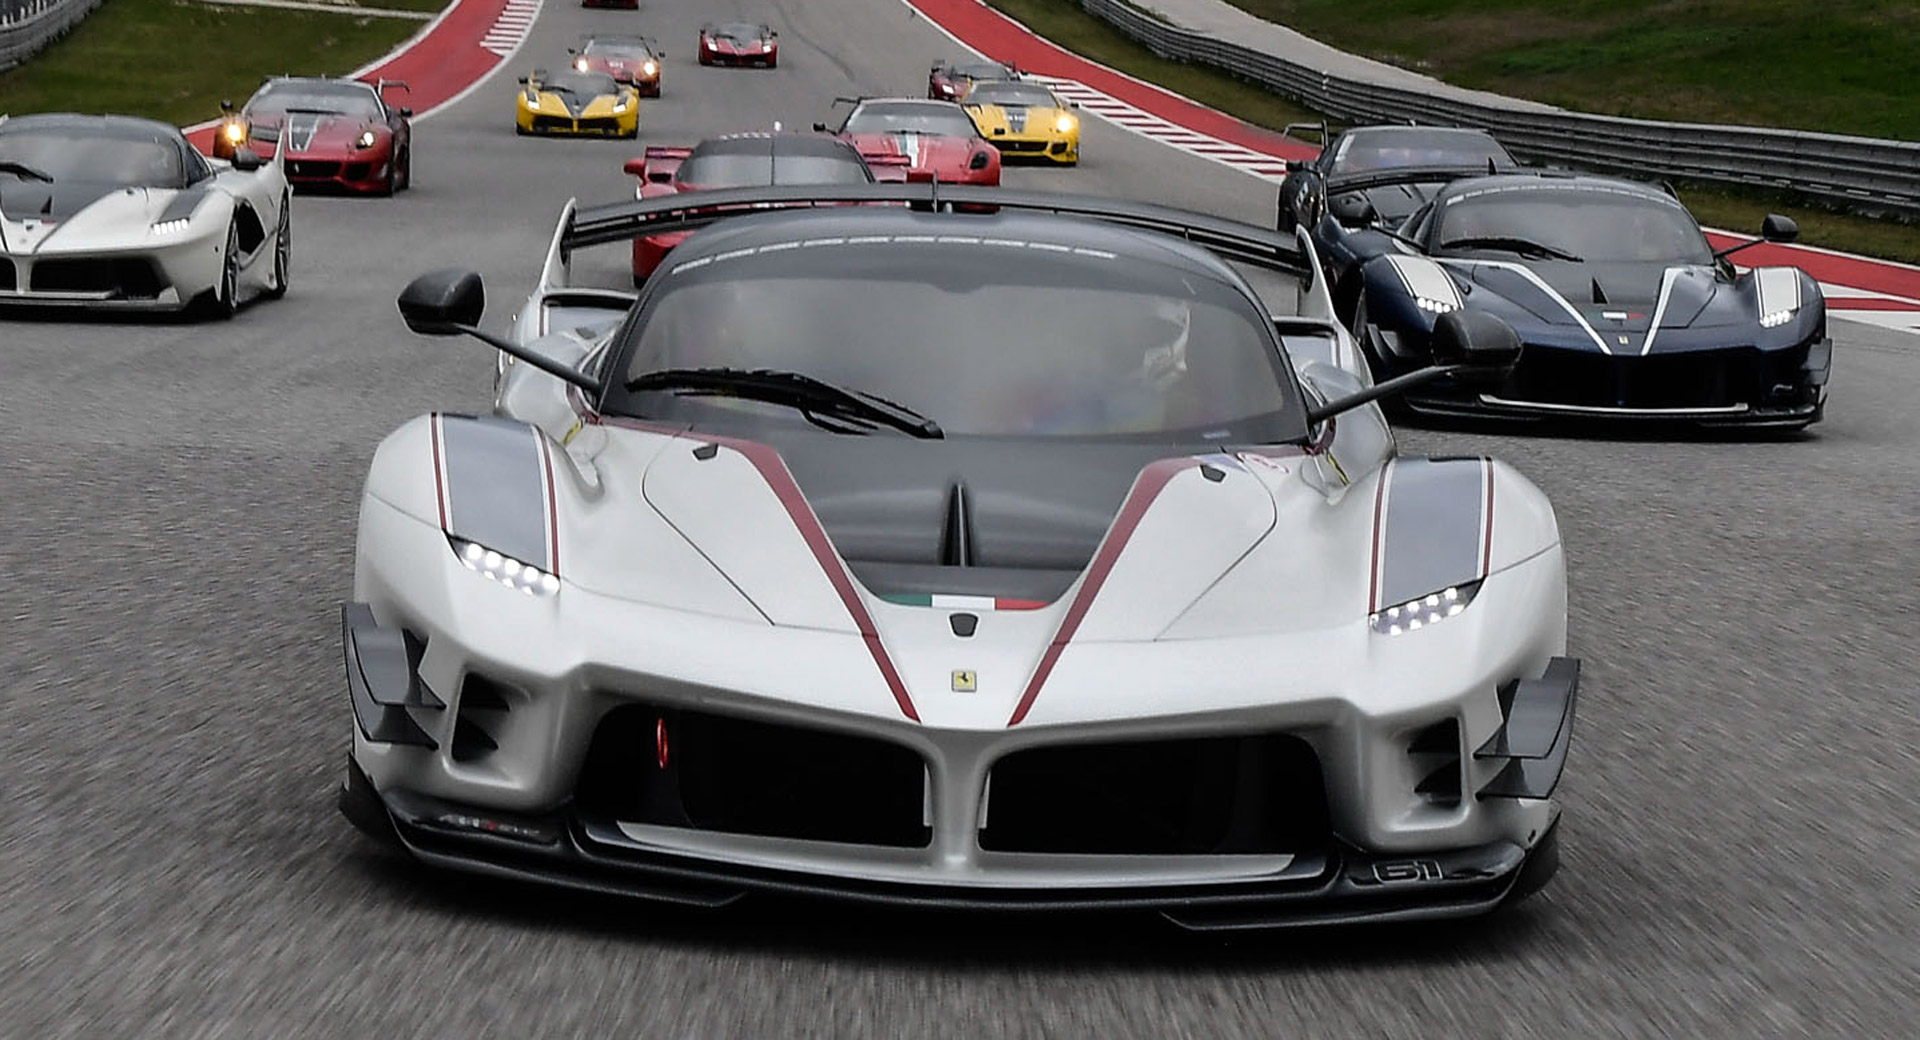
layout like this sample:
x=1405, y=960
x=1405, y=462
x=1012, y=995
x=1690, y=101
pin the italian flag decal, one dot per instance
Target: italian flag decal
x=965, y=602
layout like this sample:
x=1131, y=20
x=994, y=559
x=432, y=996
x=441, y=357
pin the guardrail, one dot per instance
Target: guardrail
x=1862, y=173
x=28, y=25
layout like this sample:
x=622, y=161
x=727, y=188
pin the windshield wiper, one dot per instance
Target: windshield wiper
x=1510, y=244
x=25, y=172
x=804, y=393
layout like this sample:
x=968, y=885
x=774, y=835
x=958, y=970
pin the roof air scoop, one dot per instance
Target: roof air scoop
x=1599, y=294
x=956, y=535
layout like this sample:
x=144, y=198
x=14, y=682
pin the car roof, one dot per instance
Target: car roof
x=129, y=127
x=1071, y=234
x=1393, y=130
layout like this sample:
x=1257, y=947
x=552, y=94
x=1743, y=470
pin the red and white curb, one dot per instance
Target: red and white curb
x=510, y=30
x=1171, y=134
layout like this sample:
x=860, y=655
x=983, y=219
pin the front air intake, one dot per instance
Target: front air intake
x=1435, y=752
x=481, y=720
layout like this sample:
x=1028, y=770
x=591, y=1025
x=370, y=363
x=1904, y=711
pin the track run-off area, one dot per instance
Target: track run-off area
x=179, y=507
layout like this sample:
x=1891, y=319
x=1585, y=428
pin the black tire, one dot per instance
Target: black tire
x=225, y=298
x=387, y=187
x=282, y=253
x=406, y=168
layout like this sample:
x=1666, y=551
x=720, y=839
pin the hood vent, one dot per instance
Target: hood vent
x=1599, y=294
x=956, y=536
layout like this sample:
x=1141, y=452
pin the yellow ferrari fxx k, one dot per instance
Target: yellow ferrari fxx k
x=588, y=104
x=1026, y=121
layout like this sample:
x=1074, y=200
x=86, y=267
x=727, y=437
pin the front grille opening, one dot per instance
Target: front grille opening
x=482, y=718
x=1435, y=751
x=1209, y=795
x=7, y=276
x=131, y=278
x=1681, y=380
x=716, y=773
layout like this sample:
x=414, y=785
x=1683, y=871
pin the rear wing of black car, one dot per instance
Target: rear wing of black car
x=1364, y=180
x=1232, y=240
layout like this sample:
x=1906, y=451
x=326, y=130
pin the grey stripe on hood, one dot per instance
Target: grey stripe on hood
x=493, y=477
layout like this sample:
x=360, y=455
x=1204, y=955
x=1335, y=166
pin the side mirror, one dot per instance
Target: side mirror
x=226, y=105
x=439, y=303
x=406, y=113
x=821, y=127
x=1484, y=347
x=522, y=81
x=246, y=160
x=573, y=50
x=1777, y=228
x=636, y=167
x=1352, y=210
x=1296, y=165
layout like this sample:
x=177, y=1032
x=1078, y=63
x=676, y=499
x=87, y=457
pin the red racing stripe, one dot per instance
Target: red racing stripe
x=1146, y=488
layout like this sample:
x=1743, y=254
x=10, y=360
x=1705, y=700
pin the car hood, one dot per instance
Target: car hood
x=576, y=105
x=1015, y=119
x=939, y=152
x=305, y=133
x=1613, y=299
x=37, y=215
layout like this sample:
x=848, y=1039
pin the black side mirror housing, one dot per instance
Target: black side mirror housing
x=441, y=303
x=226, y=105
x=1777, y=228
x=1352, y=210
x=1296, y=165
x=406, y=113
x=246, y=160
x=821, y=127
x=1483, y=347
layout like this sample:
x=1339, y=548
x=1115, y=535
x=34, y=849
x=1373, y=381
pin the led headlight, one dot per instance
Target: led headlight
x=619, y=106
x=170, y=227
x=766, y=46
x=1435, y=306
x=649, y=68
x=580, y=65
x=1063, y=124
x=1776, y=319
x=236, y=132
x=365, y=140
x=1427, y=610
x=504, y=569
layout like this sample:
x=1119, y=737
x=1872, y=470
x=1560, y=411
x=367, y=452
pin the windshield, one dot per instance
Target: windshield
x=738, y=31
x=1009, y=93
x=617, y=49
x=344, y=98
x=982, y=72
x=1597, y=224
x=1106, y=346
x=66, y=154
x=754, y=170
x=1394, y=149
x=579, y=84
x=925, y=119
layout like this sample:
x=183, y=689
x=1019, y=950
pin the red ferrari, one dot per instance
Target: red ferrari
x=627, y=58
x=338, y=133
x=736, y=161
x=951, y=81
x=739, y=43
x=903, y=136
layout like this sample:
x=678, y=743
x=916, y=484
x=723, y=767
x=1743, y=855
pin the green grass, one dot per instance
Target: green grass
x=176, y=60
x=1735, y=209
x=1843, y=66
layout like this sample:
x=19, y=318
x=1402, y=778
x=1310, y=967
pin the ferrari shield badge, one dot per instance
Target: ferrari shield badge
x=964, y=681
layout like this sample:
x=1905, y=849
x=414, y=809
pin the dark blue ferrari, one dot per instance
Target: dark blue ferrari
x=1625, y=310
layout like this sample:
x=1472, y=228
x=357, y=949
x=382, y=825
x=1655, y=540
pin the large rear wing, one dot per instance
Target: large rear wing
x=586, y=227
x=624, y=221
x=1364, y=180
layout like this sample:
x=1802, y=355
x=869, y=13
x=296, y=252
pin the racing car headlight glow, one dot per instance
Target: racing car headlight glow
x=365, y=140
x=170, y=227
x=1064, y=124
x=1776, y=319
x=1430, y=609
x=236, y=132
x=581, y=65
x=649, y=68
x=506, y=570
x=619, y=106
x=1426, y=303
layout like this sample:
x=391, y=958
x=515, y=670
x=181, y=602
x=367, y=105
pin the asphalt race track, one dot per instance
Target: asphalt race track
x=178, y=504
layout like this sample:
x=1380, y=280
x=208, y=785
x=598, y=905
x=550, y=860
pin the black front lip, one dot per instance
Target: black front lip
x=1341, y=886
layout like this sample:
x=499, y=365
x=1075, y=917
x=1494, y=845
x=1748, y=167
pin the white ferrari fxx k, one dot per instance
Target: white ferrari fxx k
x=123, y=213
x=770, y=578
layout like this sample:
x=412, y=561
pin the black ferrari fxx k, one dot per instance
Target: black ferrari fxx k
x=1441, y=154
x=1625, y=309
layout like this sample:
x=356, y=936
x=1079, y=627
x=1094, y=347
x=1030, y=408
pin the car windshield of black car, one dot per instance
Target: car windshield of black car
x=1398, y=148
x=1106, y=345
x=1599, y=224
x=65, y=154
x=896, y=116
